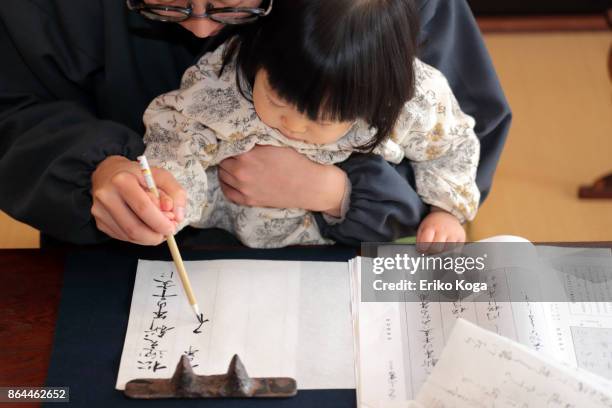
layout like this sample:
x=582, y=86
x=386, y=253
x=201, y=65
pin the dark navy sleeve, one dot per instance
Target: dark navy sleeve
x=50, y=138
x=451, y=42
x=383, y=204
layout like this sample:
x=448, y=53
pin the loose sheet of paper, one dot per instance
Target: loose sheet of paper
x=481, y=369
x=282, y=318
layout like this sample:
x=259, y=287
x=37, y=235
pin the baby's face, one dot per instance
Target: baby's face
x=285, y=118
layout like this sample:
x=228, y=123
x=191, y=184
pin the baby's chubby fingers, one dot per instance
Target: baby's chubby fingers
x=168, y=213
x=425, y=236
x=459, y=235
x=439, y=241
x=438, y=231
x=172, y=195
x=164, y=203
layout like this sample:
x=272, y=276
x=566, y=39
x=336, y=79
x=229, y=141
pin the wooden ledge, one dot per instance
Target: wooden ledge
x=544, y=23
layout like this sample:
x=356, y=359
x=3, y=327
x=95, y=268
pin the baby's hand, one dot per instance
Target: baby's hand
x=439, y=227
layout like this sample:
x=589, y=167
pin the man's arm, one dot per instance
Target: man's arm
x=383, y=204
x=452, y=43
x=50, y=138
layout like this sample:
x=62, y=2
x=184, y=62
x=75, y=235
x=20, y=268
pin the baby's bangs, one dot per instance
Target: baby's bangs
x=357, y=67
x=332, y=90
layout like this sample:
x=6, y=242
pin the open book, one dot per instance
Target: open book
x=400, y=344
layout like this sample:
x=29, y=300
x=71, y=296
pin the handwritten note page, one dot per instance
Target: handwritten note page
x=481, y=369
x=282, y=318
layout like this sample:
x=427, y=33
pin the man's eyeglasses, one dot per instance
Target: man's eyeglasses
x=181, y=10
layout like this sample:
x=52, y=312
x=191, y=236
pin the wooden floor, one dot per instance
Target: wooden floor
x=560, y=93
x=15, y=234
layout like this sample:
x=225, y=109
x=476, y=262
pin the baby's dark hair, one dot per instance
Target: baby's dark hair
x=337, y=60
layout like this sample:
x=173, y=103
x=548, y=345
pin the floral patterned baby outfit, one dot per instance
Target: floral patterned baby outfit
x=190, y=130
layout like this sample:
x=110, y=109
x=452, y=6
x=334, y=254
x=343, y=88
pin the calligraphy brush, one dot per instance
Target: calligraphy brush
x=176, y=255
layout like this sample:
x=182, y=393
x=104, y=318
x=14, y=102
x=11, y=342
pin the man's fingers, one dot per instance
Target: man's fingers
x=102, y=227
x=105, y=222
x=230, y=164
x=118, y=221
x=121, y=206
x=111, y=231
x=235, y=196
x=240, y=169
x=147, y=213
x=133, y=228
x=142, y=209
x=154, y=199
x=228, y=178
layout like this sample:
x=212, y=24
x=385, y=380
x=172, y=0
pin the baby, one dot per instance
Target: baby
x=327, y=79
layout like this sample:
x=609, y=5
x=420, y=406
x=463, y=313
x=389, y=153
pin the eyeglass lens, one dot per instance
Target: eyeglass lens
x=157, y=10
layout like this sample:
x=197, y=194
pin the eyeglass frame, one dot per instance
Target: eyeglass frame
x=139, y=6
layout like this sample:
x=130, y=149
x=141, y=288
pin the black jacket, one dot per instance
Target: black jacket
x=76, y=76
